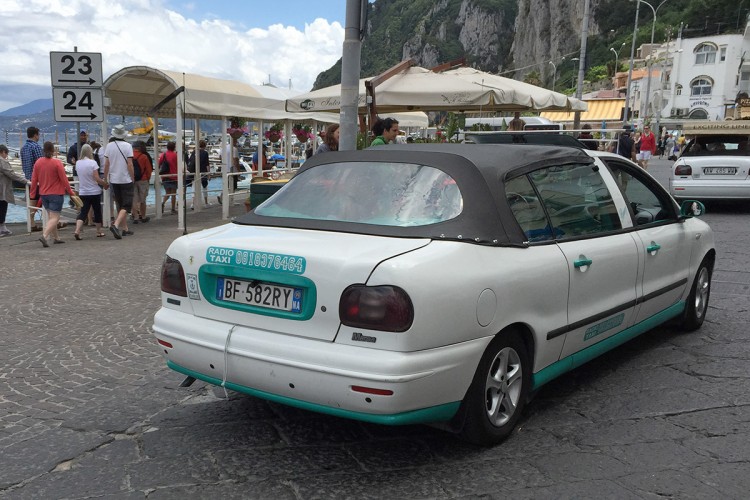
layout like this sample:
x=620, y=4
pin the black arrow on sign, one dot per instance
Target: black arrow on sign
x=91, y=116
x=90, y=81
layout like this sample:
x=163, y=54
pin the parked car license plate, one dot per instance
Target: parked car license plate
x=261, y=294
x=720, y=170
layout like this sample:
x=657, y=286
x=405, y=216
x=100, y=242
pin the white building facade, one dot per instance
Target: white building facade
x=694, y=78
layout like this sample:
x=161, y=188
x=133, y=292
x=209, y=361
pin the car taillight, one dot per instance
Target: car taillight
x=683, y=170
x=173, y=277
x=387, y=308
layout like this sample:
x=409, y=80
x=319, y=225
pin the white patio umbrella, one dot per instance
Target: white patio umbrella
x=419, y=89
x=537, y=98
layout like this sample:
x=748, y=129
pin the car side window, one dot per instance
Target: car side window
x=524, y=203
x=576, y=199
x=647, y=205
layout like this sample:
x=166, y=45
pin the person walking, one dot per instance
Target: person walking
x=90, y=190
x=50, y=182
x=31, y=151
x=7, y=176
x=587, y=138
x=670, y=147
x=331, y=139
x=625, y=144
x=203, y=157
x=169, y=179
x=637, y=146
x=118, y=171
x=72, y=156
x=648, y=146
x=385, y=131
x=143, y=167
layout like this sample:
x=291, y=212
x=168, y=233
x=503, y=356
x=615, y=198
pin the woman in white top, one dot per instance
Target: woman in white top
x=90, y=190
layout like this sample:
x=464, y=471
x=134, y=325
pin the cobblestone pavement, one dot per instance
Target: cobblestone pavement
x=89, y=410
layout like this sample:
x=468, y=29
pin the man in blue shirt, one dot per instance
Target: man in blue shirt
x=31, y=151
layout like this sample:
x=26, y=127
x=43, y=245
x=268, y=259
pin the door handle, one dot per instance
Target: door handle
x=582, y=261
x=653, y=247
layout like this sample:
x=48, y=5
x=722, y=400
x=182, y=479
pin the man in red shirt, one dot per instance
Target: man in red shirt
x=648, y=146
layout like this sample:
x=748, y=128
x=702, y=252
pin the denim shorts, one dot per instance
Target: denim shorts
x=53, y=202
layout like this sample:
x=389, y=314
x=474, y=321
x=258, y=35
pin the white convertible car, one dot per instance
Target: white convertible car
x=715, y=164
x=433, y=283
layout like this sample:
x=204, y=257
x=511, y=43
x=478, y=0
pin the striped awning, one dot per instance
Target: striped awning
x=599, y=109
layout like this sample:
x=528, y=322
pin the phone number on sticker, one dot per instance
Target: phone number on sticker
x=256, y=259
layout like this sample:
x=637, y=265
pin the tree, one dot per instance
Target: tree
x=534, y=78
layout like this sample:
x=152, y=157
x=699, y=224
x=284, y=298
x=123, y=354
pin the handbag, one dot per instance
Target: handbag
x=77, y=201
x=163, y=165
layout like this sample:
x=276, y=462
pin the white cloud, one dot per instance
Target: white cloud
x=143, y=32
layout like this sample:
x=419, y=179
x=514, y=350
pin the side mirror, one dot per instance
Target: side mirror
x=692, y=208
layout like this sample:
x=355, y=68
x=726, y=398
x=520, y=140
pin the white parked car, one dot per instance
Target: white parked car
x=433, y=283
x=715, y=164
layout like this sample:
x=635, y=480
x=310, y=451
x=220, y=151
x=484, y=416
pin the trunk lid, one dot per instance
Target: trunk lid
x=234, y=262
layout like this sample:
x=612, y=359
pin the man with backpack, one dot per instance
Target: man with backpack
x=626, y=145
x=143, y=166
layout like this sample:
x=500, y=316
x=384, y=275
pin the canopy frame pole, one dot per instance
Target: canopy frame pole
x=155, y=173
x=382, y=77
x=225, y=168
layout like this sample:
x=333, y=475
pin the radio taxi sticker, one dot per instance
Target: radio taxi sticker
x=254, y=259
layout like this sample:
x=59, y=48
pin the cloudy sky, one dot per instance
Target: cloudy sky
x=245, y=40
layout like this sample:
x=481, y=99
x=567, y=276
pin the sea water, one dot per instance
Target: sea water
x=17, y=213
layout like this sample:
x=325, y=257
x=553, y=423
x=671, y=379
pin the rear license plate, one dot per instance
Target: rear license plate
x=720, y=170
x=261, y=294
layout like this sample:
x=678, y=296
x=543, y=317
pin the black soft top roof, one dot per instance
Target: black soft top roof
x=479, y=171
x=548, y=138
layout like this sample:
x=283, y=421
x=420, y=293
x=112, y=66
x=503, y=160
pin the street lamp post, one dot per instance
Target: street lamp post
x=648, y=65
x=554, y=74
x=617, y=57
x=630, y=69
x=575, y=60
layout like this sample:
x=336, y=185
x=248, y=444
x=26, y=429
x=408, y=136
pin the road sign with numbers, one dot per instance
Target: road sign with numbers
x=77, y=86
x=76, y=69
x=78, y=105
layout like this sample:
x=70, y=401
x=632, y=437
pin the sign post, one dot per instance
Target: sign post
x=77, y=94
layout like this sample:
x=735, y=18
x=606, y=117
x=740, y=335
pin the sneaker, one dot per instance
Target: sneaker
x=43, y=241
x=127, y=232
x=134, y=221
x=145, y=219
x=115, y=232
x=5, y=233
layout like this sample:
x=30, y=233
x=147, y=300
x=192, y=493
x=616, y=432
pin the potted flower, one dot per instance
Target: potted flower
x=235, y=129
x=303, y=132
x=275, y=133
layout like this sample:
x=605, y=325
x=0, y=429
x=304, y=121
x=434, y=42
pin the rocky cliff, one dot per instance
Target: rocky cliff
x=492, y=35
x=524, y=35
x=547, y=30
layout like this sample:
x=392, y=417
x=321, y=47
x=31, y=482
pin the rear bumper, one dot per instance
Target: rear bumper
x=427, y=386
x=702, y=189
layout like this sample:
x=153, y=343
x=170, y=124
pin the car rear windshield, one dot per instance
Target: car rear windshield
x=387, y=194
x=722, y=145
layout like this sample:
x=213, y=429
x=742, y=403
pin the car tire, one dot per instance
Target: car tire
x=498, y=393
x=697, y=301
